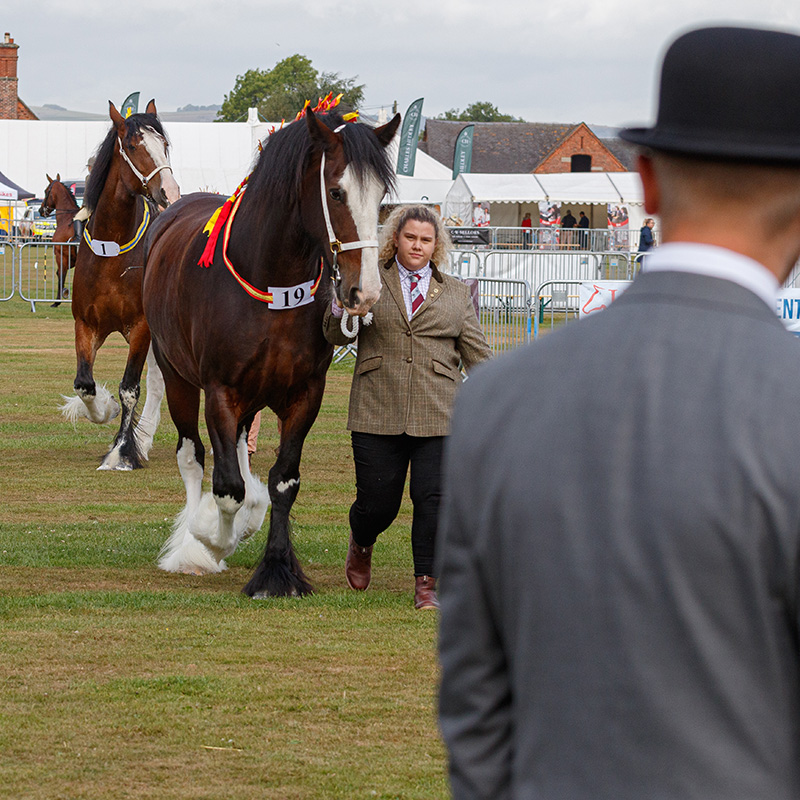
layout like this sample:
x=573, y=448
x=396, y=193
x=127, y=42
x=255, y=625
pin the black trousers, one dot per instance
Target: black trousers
x=381, y=467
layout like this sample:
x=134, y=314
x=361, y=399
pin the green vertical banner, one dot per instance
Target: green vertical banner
x=462, y=159
x=130, y=106
x=407, y=151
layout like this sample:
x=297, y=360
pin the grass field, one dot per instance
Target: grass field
x=121, y=681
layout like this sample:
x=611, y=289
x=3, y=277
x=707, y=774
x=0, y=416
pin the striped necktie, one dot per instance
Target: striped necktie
x=416, y=294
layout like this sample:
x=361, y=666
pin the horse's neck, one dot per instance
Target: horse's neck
x=116, y=212
x=263, y=237
x=65, y=200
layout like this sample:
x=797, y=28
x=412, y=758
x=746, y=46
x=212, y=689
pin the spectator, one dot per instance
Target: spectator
x=621, y=518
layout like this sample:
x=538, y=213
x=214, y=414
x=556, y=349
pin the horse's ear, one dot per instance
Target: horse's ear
x=116, y=118
x=49, y=179
x=151, y=108
x=58, y=177
x=321, y=135
x=386, y=132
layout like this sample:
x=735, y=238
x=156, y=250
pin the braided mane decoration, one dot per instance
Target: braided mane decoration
x=215, y=225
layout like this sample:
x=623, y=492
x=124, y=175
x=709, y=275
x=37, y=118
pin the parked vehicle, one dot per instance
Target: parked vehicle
x=33, y=225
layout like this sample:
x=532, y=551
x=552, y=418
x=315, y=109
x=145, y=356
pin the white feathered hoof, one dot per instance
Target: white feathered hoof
x=183, y=552
x=250, y=516
x=113, y=460
x=100, y=408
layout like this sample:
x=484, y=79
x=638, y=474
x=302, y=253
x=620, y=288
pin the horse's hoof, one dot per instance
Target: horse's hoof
x=120, y=466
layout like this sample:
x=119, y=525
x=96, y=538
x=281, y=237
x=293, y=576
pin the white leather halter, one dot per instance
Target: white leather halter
x=144, y=179
x=338, y=247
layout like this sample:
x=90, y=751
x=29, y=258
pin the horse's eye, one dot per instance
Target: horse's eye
x=336, y=194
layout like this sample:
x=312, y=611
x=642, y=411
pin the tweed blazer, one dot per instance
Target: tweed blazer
x=620, y=557
x=407, y=371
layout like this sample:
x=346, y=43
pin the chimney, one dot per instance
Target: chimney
x=8, y=78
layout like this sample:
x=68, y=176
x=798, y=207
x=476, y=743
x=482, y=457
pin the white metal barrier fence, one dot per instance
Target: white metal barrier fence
x=38, y=272
x=31, y=270
x=555, y=302
x=505, y=312
x=7, y=262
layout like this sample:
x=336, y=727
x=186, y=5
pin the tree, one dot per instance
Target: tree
x=280, y=92
x=481, y=111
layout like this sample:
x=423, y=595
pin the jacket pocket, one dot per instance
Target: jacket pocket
x=369, y=364
x=443, y=369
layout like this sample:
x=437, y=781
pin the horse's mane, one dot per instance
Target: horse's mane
x=70, y=194
x=104, y=154
x=284, y=159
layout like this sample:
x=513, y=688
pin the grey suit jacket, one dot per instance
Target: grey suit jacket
x=619, y=557
x=406, y=373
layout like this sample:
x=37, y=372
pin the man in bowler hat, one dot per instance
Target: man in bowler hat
x=620, y=557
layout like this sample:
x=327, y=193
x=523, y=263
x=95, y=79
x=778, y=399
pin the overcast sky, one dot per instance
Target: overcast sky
x=556, y=61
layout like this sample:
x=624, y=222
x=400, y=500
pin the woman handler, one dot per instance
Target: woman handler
x=406, y=377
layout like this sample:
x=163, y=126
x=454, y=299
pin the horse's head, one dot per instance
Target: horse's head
x=143, y=147
x=352, y=175
x=48, y=205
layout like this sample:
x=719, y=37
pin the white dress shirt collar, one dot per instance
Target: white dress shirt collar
x=714, y=262
x=406, y=273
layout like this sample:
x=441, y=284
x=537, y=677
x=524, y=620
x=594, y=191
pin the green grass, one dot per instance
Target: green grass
x=122, y=681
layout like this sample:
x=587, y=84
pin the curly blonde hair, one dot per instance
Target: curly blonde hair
x=397, y=220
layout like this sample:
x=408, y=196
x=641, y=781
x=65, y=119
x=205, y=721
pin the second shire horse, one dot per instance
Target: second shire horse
x=245, y=328
x=131, y=177
x=59, y=199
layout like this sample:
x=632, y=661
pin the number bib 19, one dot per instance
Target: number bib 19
x=285, y=297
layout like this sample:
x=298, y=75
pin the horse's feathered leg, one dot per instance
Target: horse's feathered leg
x=94, y=402
x=279, y=572
x=125, y=453
x=147, y=425
x=183, y=552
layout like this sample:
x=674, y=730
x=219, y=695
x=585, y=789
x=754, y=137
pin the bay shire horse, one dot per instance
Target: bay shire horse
x=246, y=328
x=58, y=199
x=131, y=177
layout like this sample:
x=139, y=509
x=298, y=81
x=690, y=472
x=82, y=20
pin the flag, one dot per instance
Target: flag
x=407, y=151
x=130, y=106
x=462, y=159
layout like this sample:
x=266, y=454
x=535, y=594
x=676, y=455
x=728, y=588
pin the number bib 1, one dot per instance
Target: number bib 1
x=107, y=249
x=285, y=297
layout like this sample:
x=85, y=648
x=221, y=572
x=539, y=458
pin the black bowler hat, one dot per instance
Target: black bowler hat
x=730, y=93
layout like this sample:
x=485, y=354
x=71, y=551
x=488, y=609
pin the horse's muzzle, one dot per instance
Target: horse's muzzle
x=358, y=302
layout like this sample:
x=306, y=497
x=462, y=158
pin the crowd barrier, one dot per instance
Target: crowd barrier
x=30, y=270
x=37, y=272
x=7, y=263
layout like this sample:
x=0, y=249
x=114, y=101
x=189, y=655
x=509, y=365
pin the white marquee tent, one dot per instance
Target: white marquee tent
x=205, y=156
x=508, y=195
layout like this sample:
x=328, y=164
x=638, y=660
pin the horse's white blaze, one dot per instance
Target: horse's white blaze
x=364, y=200
x=156, y=146
x=284, y=486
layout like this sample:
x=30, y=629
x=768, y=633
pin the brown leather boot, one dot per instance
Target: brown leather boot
x=358, y=565
x=425, y=592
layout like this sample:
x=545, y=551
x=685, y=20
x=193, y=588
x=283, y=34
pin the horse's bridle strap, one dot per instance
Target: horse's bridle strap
x=142, y=178
x=336, y=245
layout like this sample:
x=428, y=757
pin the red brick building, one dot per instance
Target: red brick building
x=11, y=107
x=529, y=147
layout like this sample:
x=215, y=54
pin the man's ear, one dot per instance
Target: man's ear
x=650, y=184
